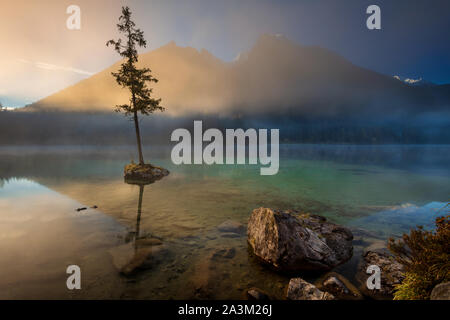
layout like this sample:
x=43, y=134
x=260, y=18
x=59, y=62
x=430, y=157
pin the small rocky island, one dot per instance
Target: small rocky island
x=136, y=80
x=143, y=174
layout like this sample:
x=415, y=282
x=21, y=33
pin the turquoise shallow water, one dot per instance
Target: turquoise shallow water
x=384, y=190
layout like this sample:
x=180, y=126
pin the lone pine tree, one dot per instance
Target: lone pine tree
x=133, y=78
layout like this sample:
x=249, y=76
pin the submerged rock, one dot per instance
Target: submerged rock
x=224, y=253
x=147, y=242
x=257, y=294
x=231, y=226
x=143, y=258
x=121, y=255
x=441, y=292
x=208, y=273
x=392, y=273
x=202, y=279
x=142, y=174
x=338, y=286
x=291, y=244
x=144, y=254
x=299, y=289
x=231, y=235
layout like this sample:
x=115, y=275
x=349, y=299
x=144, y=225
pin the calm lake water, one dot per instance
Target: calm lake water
x=378, y=191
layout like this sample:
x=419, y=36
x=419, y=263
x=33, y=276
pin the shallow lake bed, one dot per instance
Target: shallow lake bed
x=381, y=190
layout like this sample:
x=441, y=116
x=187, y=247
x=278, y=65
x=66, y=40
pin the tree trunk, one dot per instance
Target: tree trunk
x=138, y=137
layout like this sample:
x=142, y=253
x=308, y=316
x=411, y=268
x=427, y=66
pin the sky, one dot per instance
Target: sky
x=40, y=55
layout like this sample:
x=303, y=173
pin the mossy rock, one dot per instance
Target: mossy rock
x=143, y=174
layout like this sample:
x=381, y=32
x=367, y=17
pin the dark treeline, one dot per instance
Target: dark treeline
x=46, y=128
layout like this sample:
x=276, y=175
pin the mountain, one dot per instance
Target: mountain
x=274, y=76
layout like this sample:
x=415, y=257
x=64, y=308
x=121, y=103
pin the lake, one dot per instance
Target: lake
x=378, y=191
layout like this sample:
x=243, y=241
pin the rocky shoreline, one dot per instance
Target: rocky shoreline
x=303, y=252
x=294, y=243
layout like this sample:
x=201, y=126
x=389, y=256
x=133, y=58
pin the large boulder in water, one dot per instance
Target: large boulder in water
x=296, y=243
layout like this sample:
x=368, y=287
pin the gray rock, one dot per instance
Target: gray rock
x=333, y=283
x=121, y=255
x=441, y=292
x=291, y=244
x=338, y=286
x=392, y=273
x=299, y=289
x=206, y=277
x=224, y=253
x=144, y=258
x=231, y=235
x=148, y=242
x=202, y=279
x=129, y=260
x=257, y=294
x=231, y=226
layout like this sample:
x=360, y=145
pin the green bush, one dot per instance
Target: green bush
x=426, y=258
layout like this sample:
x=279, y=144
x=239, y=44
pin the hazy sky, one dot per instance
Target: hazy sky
x=40, y=55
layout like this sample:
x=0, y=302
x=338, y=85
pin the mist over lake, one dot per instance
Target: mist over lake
x=377, y=191
x=76, y=128
x=224, y=151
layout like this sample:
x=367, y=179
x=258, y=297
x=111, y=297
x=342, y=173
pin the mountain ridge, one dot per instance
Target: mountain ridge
x=275, y=75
